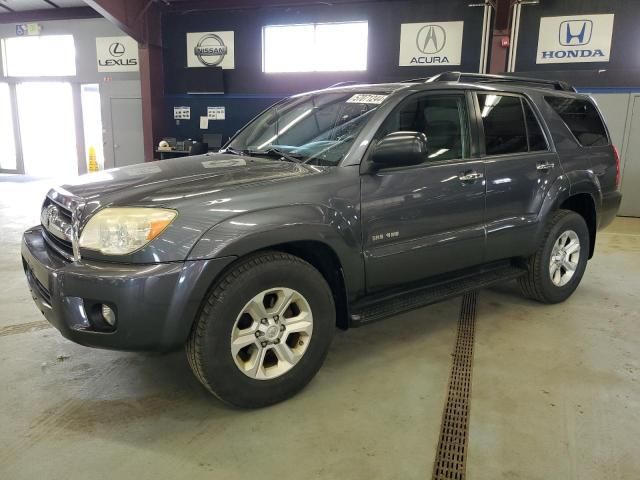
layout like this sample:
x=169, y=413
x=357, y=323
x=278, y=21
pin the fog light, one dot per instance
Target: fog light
x=109, y=315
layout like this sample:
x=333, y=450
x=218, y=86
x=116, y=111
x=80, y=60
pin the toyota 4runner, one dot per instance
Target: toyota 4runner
x=331, y=208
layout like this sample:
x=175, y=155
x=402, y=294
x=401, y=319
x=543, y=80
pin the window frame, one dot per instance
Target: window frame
x=598, y=112
x=523, y=98
x=314, y=25
x=472, y=152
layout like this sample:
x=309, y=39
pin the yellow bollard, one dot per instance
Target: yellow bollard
x=93, y=163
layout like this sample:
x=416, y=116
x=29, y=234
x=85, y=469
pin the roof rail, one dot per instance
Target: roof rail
x=341, y=84
x=486, y=78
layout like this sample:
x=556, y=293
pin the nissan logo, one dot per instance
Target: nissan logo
x=431, y=39
x=116, y=49
x=210, y=50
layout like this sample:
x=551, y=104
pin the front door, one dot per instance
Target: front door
x=423, y=220
x=519, y=168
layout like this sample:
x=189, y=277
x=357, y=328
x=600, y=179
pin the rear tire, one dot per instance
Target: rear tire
x=555, y=270
x=251, y=348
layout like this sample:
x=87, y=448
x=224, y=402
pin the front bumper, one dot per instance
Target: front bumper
x=155, y=304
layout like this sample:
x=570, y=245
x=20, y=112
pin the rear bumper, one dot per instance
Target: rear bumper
x=155, y=304
x=610, y=205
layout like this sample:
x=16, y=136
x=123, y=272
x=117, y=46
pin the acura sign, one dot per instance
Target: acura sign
x=430, y=44
x=117, y=54
x=210, y=49
x=575, y=39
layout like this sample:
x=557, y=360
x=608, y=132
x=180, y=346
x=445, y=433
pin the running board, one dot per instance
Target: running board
x=379, y=308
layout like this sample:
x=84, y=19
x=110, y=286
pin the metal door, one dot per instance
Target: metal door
x=631, y=169
x=126, y=128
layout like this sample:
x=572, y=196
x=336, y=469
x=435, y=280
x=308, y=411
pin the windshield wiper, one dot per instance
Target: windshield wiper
x=277, y=153
x=233, y=151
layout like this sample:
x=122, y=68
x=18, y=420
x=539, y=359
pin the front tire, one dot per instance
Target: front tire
x=264, y=330
x=555, y=270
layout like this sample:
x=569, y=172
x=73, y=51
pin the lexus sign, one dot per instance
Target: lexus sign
x=430, y=44
x=117, y=54
x=210, y=49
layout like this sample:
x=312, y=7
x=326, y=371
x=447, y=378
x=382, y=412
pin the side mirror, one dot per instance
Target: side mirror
x=400, y=149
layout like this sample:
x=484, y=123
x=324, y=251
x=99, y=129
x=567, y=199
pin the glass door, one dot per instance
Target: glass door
x=47, y=128
x=8, y=154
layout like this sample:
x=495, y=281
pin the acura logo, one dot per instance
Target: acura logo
x=116, y=49
x=575, y=32
x=210, y=50
x=431, y=39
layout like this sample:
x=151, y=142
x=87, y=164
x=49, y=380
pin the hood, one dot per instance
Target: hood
x=163, y=182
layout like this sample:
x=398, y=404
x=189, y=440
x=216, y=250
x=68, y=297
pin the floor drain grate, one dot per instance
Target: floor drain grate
x=450, y=462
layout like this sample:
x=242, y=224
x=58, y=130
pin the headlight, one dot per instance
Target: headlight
x=118, y=231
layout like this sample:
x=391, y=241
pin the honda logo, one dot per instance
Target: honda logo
x=431, y=39
x=575, y=32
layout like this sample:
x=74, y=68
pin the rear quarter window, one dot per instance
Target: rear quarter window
x=582, y=118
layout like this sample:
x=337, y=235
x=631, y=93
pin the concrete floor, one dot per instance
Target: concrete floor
x=555, y=390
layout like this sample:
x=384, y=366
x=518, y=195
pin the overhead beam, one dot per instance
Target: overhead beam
x=73, y=13
x=127, y=15
x=188, y=6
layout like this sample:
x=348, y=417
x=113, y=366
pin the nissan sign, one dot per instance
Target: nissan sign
x=210, y=49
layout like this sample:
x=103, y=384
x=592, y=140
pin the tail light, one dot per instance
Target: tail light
x=616, y=155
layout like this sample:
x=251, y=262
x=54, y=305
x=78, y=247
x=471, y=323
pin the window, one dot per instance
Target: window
x=39, y=56
x=537, y=141
x=582, y=118
x=443, y=119
x=7, y=141
x=316, y=129
x=504, y=125
x=317, y=47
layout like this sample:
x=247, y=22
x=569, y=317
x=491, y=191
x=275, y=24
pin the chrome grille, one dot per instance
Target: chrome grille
x=57, y=222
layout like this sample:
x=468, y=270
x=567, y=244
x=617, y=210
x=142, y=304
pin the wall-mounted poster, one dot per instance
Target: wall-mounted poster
x=117, y=54
x=575, y=39
x=216, y=113
x=430, y=44
x=182, y=113
x=210, y=49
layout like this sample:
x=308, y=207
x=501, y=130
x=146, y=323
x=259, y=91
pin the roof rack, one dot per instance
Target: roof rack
x=486, y=78
x=342, y=84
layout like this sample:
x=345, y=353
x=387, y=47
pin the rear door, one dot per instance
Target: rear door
x=519, y=168
x=423, y=220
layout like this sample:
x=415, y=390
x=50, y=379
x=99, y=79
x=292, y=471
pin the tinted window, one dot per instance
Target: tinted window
x=536, y=137
x=443, y=119
x=582, y=119
x=504, y=126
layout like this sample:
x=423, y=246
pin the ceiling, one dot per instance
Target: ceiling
x=8, y=6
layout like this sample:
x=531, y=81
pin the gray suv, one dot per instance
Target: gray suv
x=337, y=207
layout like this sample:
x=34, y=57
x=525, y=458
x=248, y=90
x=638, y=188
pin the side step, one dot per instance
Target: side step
x=379, y=308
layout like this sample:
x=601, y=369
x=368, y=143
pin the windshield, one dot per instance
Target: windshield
x=317, y=129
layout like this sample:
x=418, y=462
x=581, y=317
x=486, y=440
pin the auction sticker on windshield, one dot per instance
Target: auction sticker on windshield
x=367, y=98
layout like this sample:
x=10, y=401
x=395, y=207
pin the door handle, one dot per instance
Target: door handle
x=544, y=166
x=470, y=176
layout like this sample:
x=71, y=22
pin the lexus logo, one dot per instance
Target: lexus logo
x=575, y=32
x=210, y=50
x=431, y=39
x=116, y=49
